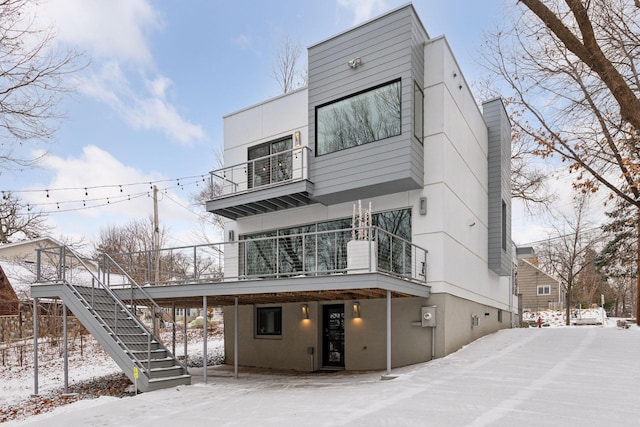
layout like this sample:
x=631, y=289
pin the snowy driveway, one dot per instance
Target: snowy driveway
x=584, y=376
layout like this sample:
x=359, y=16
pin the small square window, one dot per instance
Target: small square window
x=269, y=321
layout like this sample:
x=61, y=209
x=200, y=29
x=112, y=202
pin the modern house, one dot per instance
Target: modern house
x=388, y=121
x=539, y=290
x=387, y=132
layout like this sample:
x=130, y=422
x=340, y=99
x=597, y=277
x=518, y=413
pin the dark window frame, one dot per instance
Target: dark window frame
x=269, y=162
x=418, y=119
x=265, y=329
x=318, y=152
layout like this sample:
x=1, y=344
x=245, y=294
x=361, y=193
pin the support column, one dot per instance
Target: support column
x=65, y=348
x=35, y=346
x=388, y=332
x=173, y=328
x=204, y=338
x=235, y=341
x=184, y=322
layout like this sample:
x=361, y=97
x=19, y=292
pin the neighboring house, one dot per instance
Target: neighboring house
x=539, y=290
x=19, y=260
x=388, y=121
x=8, y=297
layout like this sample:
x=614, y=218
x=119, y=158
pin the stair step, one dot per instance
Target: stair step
x=160, y=383
x=172, y=371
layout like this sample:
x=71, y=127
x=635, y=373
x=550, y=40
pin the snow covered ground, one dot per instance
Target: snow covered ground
x=563, y=376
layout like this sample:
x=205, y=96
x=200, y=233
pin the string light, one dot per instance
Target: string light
x=89, y=203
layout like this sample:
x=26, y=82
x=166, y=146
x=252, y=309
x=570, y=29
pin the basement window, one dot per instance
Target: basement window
x=269, y=321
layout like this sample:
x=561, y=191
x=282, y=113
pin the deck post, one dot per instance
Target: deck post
x=184, y=321
x=173, y=328
x=65, y=348
x=235, y=340
x=35, y=346
x=204, y=338
x=388, y=332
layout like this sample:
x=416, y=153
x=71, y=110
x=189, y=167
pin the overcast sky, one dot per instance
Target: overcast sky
x=161, y=74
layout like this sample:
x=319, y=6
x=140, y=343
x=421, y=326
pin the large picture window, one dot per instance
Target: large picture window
x=321, y=248
x=269, y=321
x=365, y=117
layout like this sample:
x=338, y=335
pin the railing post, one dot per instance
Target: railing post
x=149, y=356
x=38, y=264
x=115, y=320
x=304, y=252
x=195, y=264
x=404, y=257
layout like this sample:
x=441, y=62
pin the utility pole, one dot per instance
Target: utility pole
x=156, y=238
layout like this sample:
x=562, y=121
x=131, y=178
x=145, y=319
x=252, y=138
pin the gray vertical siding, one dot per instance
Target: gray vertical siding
x=390, y=48
x=499, y=133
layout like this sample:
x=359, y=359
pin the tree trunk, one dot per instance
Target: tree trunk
x=638, y=271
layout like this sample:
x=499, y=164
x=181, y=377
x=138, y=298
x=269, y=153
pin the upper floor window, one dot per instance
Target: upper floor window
x=418, y=112
x=544, y=290
x=358, y=119
x=269, y=162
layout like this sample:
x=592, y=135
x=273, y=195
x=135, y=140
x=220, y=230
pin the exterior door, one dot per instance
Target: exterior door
x=333, y=335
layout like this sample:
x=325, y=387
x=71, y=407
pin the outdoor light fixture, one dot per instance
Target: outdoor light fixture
x=356, y=309
x=354, y=62
x=296, y=137
x=305, y=311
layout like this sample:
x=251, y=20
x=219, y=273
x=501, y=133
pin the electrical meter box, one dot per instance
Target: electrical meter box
x=428, y=317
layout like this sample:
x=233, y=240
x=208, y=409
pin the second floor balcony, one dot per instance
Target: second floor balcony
x=265, y=184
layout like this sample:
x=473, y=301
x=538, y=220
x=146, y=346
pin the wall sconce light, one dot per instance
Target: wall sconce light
x=232, y=235
x=305, y=311
x=356, y=309
x=296, y=138
x=354, y=62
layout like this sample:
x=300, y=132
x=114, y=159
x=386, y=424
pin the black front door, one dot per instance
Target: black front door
x=333, y=335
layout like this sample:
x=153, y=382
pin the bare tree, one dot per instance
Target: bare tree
x=286, y=66
x=572, y=67
x=19, y=221
x=566, y=256
x=33, y=76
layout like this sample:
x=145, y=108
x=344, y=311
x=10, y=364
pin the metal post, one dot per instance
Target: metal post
x=173, y=327
x=195, y=263
x=388, y=332
x=65, y=348
x=184, y=321
x=35, y=346
x=204, y=338
x=38, y=265
x=235, y=341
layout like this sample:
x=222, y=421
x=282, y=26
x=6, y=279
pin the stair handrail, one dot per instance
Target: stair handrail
x=62, y=277
x=108, y=260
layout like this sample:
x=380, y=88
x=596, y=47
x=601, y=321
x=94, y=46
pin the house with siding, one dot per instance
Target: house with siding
x=538, y=290
x=388, y=121
x=367, y=220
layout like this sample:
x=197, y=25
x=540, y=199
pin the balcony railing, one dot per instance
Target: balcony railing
x=319, y=253
x=264, y=172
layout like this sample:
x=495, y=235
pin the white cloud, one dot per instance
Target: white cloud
x=115, y=33
x=363, y=9
x=105, y=28
x=147, y=111
x=79, y=203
